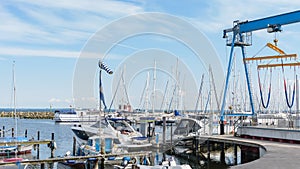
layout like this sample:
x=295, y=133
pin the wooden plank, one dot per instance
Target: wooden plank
x=25, y=142
x=271, y=57
x=278, y=65
x=61, y=159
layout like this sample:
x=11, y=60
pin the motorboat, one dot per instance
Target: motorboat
x=113, y=131
x=170, y=163
x=188, y=127
x=111, y=125
x=75, y=115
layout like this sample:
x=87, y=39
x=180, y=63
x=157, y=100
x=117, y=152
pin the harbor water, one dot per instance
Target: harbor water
x=64, y=140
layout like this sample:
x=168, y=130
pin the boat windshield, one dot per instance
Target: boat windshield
x=104, y=124
x=187, y=126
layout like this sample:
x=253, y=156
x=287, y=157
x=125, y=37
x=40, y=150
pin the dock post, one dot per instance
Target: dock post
x=194, y=146
x=97, y=163
x=38, y=146
x=164, y=130
x=52, y=146
x=3, y=130
x=149, y=132
x=12, y=132
x=42, y=165
x=74, y=146
x=222, y=155
x=235, y=154
x=208, y=150
x=171, y=134
x=26, y=133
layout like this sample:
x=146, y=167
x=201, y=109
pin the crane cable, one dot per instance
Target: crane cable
x=260, y=90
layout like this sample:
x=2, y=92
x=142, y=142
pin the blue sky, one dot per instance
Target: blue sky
x=45, y=39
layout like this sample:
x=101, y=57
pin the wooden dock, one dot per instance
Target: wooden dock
x=33, y=142
x=97, y=158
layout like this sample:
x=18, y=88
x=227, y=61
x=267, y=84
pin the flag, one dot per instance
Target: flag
x=101, y=91
x=105, y=67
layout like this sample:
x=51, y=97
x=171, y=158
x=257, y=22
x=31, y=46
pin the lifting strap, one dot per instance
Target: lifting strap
x=290, y=105
x=260, y=90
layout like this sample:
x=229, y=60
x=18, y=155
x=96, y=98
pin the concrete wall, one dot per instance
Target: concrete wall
x=270, y=133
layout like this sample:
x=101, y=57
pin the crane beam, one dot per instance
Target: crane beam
x=273, y=22
x=270, y=45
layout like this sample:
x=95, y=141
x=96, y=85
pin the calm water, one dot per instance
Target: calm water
x=64, y=138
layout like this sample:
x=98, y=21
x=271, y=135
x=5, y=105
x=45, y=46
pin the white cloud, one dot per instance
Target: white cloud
x=9, y=51
x=45, y=23
x=54, y=100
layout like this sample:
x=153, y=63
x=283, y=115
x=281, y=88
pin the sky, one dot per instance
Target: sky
x=48, y=40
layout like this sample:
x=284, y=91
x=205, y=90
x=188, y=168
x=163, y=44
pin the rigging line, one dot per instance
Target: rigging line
x=199, y=93
x=164, y=97
x=126, y=93
x=260, y=90
x=290, y=105
x=142, y=96
x=112, y=101
x=259, y=51
x=175, y=88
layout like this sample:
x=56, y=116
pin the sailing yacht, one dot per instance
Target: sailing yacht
x=8, y=149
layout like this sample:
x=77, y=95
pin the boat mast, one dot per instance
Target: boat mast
x=147, y=95
x=154, y=85
x=14, y=95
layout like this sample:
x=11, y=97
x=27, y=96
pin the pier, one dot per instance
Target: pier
x=96, y=158
x=271, y=154
x=277, y=155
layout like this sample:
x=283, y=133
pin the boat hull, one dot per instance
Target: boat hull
x=15, y=150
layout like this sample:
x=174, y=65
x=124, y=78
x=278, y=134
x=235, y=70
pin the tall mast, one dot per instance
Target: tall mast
x=154, y=83
x=14, y=95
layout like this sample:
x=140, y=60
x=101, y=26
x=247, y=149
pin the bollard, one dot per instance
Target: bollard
x=3, y=131
x=12, y=132
x=26, y=133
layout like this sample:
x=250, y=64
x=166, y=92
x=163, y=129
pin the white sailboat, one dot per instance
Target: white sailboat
x=16, y=149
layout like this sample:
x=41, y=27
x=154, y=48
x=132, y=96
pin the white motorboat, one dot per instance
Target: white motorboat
x=116, y=132
x=76, y=115
x=170, y=164
x=188, y=127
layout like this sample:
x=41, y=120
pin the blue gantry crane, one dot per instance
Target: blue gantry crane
x=241, y=37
